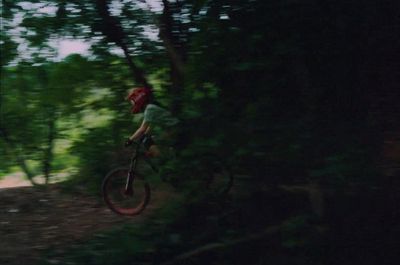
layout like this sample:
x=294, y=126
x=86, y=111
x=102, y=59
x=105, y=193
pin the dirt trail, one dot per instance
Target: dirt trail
x=33, y=220
x=14, y=180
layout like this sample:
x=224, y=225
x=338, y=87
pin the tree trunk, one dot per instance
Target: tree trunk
x=113, y=31
x=165, y=27
x=22, y=163
x=19, y=158
x=48, y=153
x=138, y=74
x=175, y=53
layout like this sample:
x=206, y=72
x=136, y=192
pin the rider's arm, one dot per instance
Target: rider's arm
x=144, y=127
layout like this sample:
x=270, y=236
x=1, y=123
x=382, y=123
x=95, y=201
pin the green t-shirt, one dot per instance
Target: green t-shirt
x=159, y=118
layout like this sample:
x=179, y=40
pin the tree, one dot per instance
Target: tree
x=34, y=100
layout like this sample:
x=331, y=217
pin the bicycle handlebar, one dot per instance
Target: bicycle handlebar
x=129, y=142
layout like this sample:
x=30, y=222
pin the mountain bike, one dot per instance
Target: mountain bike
x=126, y=191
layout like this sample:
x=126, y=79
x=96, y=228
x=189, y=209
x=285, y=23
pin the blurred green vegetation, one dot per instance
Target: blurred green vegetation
x=285, y=93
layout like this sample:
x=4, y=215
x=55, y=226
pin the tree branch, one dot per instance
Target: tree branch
x=113, y=31
x=217, y=246
x=164, y=25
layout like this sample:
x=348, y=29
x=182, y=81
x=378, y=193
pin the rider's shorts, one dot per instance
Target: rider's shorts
x=148, y=141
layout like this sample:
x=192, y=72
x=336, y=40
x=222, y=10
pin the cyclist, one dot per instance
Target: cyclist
x=155, y=119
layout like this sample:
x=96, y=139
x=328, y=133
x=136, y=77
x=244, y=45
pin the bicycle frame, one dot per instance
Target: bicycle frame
x=130, y=178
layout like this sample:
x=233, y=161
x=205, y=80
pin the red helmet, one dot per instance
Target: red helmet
x=139, y=97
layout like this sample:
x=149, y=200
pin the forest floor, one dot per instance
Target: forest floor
x=34, y=220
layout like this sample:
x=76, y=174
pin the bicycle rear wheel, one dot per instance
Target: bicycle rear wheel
x=124, y=202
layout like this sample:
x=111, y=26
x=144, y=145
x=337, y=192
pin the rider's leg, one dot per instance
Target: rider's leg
x=153, y=151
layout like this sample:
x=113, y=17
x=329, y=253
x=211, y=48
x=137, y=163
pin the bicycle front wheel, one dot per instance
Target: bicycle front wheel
x=122, y=201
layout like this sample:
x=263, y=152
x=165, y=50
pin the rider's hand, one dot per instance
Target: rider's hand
x=128, y=142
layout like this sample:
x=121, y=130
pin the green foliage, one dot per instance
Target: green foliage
x=97, y=154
